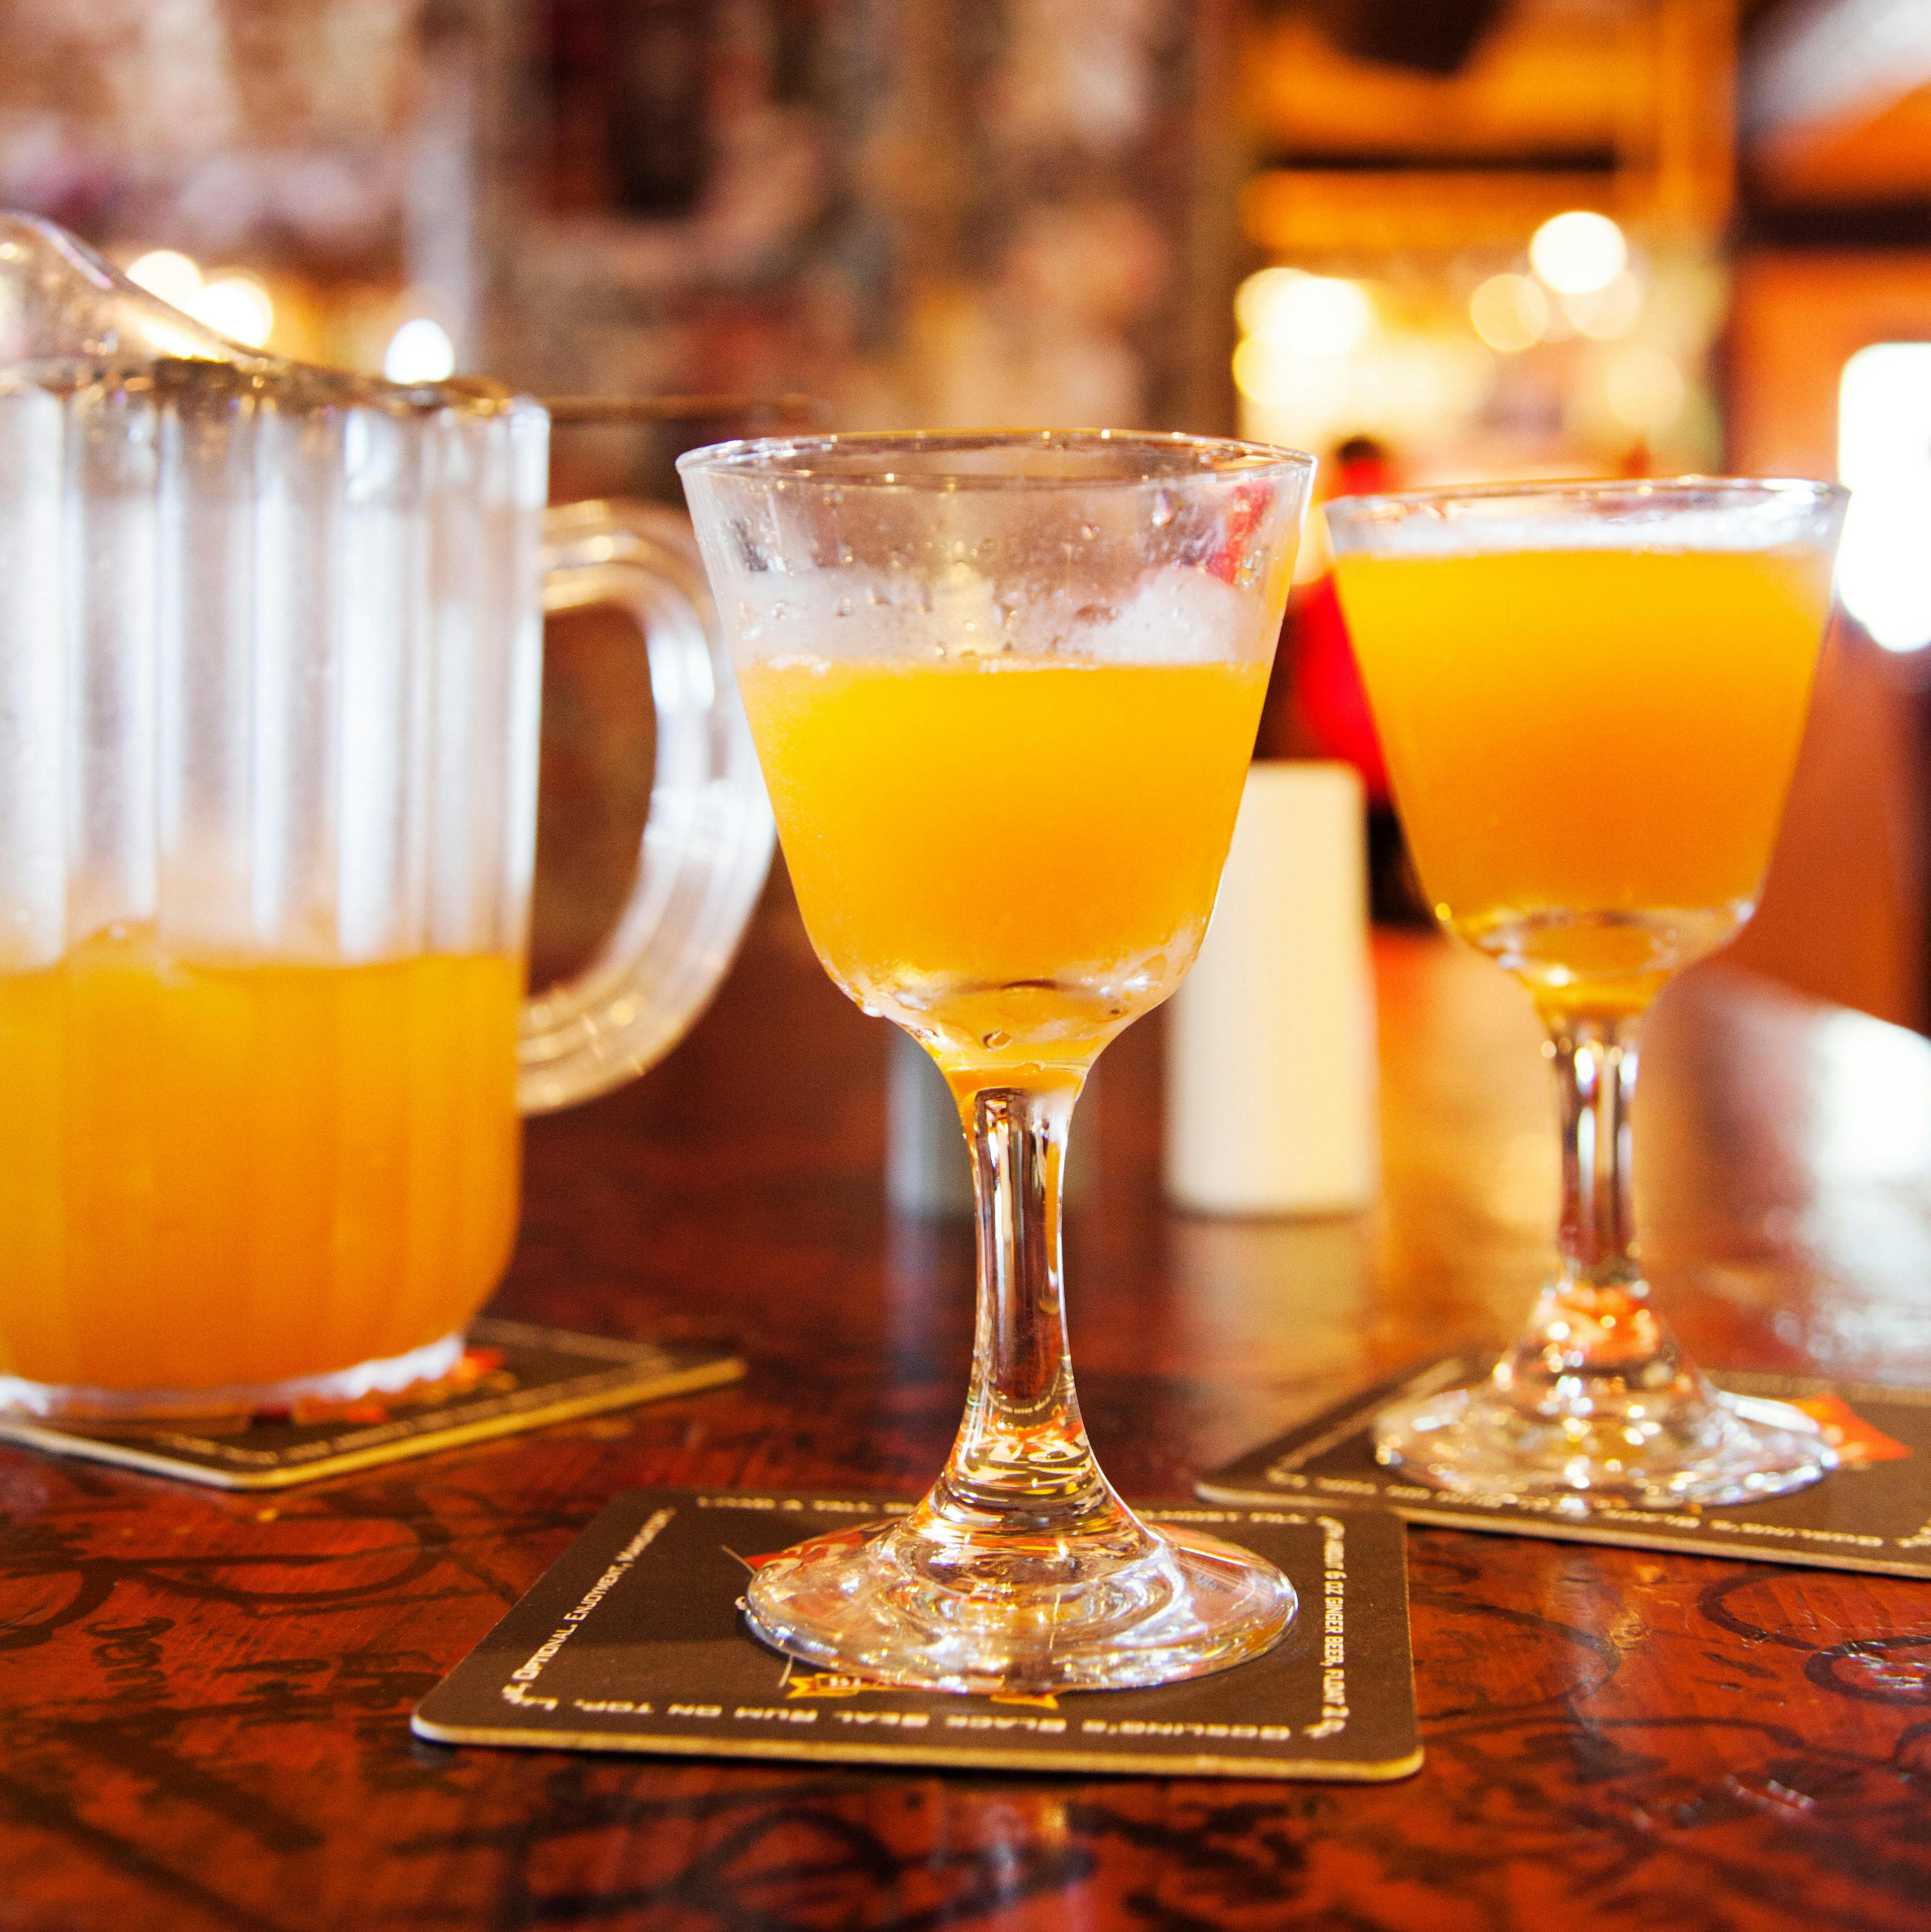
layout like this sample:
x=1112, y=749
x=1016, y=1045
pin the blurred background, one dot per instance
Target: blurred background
x=1466, y=239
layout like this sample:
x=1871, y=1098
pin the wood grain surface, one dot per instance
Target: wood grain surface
x=203, y=1700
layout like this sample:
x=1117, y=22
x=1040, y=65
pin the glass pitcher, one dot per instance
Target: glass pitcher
x=270, y=644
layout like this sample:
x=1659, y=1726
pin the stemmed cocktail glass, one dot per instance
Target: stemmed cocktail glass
x=1005, y=688
x=1590, y=696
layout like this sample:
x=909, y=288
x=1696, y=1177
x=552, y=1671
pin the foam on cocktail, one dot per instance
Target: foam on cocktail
x=1176, y=616
x=1462, y=531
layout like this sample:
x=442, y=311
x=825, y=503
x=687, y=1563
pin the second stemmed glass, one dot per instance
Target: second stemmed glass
x=1005, y=688
x=1590, y=696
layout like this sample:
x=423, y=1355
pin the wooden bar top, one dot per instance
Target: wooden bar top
x=204, y=1698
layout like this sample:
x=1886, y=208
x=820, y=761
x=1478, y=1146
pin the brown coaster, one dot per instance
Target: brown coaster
x=632, y=1641
x=1872, y=1512
x=513, y=1376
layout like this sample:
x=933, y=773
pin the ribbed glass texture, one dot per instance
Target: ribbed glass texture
x=270, y=668
x=270, y=671
x=273, y=668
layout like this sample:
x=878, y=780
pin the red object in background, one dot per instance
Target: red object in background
x=1329, y=696
x=1328, y=691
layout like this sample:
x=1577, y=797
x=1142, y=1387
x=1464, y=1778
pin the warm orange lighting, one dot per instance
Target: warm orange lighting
x=1645, y=389
x=1509, y=313
x=1307, y=315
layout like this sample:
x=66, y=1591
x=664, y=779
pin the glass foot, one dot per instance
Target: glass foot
x=54, y=1401
x=893, y=1602
x=1686, y=1445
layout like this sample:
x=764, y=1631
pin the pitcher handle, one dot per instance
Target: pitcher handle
x=707, y=843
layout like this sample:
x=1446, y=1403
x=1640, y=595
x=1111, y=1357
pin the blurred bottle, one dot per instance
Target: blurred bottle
x=1270, y=1040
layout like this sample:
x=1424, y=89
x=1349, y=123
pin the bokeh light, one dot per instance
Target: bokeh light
x=231, y=301
x=1579, y=253
x=1509, y=313
x=1307, y=315
x=1884, y=453
x=171, y=276
x=1607, y=314
x=235, y=304
x=420, y=351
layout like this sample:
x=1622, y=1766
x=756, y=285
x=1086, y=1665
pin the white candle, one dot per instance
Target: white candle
x=1270, y=1041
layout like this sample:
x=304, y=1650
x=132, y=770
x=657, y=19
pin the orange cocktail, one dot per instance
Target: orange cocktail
x=1590, y=747
x=215, y=1173
x=1590, y=695
x=1007, y=926
x=1004, y=687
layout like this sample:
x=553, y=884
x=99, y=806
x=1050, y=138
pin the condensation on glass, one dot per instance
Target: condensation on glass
x=270, y=643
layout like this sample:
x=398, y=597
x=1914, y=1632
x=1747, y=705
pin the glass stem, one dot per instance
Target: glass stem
x=1021, y=1466
x=1595, y=1063
x=1593, y=1321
